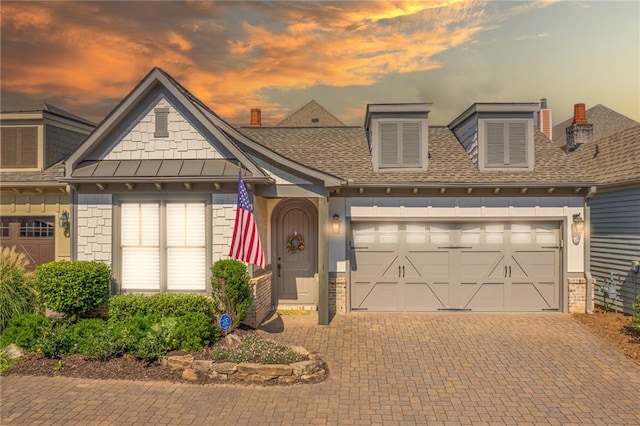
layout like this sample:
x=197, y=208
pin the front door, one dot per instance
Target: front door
x=295, y=237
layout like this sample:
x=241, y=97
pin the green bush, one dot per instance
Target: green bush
x=95, y=338
x=123, y=306
x=130, y=331
x=635, y=321
x=5, y=362
x=194, y=331
x=230, y=289
x=73, y=288
x=17, y=293
x=54, y=340
x=24, y=330
x=158, y=341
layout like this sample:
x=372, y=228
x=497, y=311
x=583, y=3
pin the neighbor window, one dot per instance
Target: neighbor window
x=508, y=144
x=400, y=144
x=162, y=123
x=19, y=147
x=163, y=246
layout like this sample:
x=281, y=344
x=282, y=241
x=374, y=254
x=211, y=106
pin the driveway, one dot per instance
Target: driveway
x=385, y=368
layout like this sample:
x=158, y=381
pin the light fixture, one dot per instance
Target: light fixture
x=64, y=223
x=335, y=224
x=577, y=228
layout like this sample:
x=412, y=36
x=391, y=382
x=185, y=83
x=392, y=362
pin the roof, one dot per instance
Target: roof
x=48, y=176
x=492, y=107
x=56, y=111
x=605, y=123
x=344, y=152
x=613, y=159
x=311, y=115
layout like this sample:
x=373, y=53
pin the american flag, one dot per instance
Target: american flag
x=246, y=244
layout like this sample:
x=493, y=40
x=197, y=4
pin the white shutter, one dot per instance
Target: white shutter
x=388, y=144
x=186, y=254
x=140, y=237
x=411, y=144
x=495, y=144
x=517, y=144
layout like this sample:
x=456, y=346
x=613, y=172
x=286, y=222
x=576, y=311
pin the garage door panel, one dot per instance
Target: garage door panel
x=534, y=263
x=432, y=264
x=423, y=296
x=529, y=296
x=376, y=296
x=478, y=264
x=487, y=296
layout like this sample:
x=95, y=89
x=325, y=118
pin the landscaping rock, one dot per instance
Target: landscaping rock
x=304, y=368
x=202, y=366
x=177, y=362
x=287, y=380
x=14, y=351
x=299, y=350
x=190, y=374
x=232, y=340
x=315, y=355
x=248, y=368
x=261, y=379
x=275, y=370
x=224, y=367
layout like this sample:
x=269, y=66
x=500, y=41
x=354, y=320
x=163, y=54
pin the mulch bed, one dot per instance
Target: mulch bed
x=616, y=329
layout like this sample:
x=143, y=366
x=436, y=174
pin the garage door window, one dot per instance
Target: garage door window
x=4, y=228
x=36, y=228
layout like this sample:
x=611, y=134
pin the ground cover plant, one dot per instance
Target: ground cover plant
x=253, y=348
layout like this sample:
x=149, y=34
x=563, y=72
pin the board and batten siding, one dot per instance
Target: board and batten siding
x=615, y=243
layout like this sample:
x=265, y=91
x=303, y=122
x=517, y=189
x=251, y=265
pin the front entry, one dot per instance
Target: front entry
x=295, y=230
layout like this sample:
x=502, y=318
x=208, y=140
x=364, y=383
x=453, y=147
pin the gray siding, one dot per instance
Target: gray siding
x=59, y=143
x=467, y=134
x=615, y=243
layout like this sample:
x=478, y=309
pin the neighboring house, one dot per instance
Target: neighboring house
x=397, y=215
x=614, y=251
x=605, y=122
x=33, y=143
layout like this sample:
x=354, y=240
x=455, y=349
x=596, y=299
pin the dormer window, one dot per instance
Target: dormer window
x=398, y=136
x=506, y=144
x=162, y=123
x=19, y=147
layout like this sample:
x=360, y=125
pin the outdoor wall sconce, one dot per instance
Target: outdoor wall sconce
x=64, y=223
x=577, y=228
x=335, y=224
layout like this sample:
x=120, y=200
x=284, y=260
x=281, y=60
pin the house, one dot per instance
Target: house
x=33, y=202
x=613, y=251
x=396, y=215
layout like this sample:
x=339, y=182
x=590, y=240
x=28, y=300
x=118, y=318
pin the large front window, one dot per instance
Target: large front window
x=163, y=246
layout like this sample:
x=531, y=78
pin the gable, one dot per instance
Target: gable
x=141, y=141
x=311, y=115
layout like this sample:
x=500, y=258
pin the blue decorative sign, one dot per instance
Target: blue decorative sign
x=225, y=322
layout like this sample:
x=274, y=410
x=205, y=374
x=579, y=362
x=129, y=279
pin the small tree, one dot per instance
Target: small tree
x=230, y=289
x=17, y=293
x=73, y=288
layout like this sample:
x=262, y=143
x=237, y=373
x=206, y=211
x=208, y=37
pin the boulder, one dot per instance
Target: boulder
x=299, y=350
x=14, y=351
x=304, y=368
x=224, y=367
x=202, y=365
x=177, y=362
x=248, y=368
x=190, y=374
x=274, y=370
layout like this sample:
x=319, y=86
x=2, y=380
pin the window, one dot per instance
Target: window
x=162, y=123
x=508, y=144
x=400, y=144
x=163, y=246
x=36, y=228
x=19, y=147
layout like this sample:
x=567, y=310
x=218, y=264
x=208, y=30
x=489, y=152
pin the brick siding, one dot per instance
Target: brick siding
x=261, y=305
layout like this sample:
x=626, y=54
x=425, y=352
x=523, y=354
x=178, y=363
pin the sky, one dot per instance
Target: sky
x=85, y=57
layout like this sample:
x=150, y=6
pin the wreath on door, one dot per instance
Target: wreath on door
x=295, y=243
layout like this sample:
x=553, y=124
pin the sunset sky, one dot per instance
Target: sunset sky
x=234, y=56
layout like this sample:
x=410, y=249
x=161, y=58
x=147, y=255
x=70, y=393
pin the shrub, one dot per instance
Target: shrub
x=194, y=331
x=253, y=348
x=158, y=341
x=24, y=330
x=94, y=338
x=17, y=293
x=5, y=362
x=635, y=321
x=230, y=289
x=130, y=331
x=74, y=287
x=123, y=306
x=54, y=340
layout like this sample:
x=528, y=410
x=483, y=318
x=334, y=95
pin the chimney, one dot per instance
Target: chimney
x=256, y=118
x=544, y=118
x=580, y=131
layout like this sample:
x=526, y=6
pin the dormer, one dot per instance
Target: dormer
x=398, y=136
x=498, y=136
x=35, y=140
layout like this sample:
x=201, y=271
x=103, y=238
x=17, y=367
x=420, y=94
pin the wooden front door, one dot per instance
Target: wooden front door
x=295, y=222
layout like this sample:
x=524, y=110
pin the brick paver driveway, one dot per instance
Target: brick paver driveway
x=385, y=368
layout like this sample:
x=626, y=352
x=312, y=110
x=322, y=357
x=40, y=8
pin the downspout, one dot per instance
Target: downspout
x=587, y=250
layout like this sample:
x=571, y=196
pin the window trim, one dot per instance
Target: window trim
x=162, y=201
x=482, y=145
x=376, y=144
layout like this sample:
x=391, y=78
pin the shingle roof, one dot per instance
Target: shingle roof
x=344, y=152
x=311, y=115
x=49, y=176
x=605, y=122
x=614, y=159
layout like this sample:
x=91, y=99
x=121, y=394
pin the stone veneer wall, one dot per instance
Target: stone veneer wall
x=94, y=227
x=578, y=295
x=261, y=305
x=337, y=294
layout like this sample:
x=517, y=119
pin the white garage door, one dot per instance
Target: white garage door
x=511, y=267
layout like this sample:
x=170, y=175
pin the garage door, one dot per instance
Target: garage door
x=442, y=266
x=33, y=236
